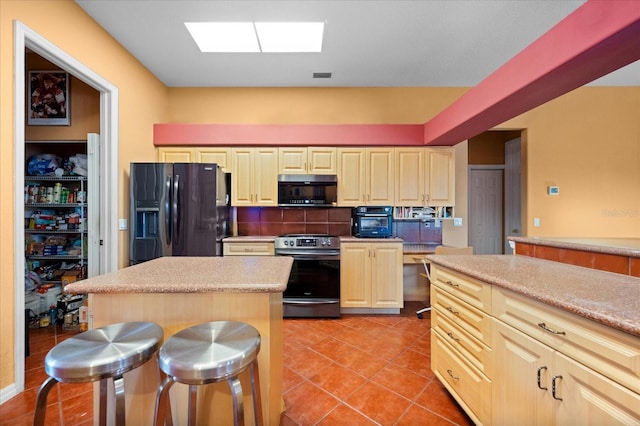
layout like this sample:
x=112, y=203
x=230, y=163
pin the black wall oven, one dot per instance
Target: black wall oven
x=313, y=289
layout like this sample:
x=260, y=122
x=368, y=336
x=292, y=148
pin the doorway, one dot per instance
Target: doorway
x=25, y=38
x=494, y=190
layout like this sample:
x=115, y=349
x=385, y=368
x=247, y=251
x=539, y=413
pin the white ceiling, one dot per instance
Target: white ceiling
x=367, y=43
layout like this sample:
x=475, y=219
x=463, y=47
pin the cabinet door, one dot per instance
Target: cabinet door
x=386, y=275
x=321, y=161
x=351, y=177
x=292, y=161
x=355, y=275
x=219, y=156
x=591, y=398
x=410, y=177
x=242, y=177
x=518, y=362
x=265, y=180
x=440, y=183
x=380, y=176
x=176, y=155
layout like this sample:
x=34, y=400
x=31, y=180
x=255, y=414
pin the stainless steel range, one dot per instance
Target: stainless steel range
x=313, y=289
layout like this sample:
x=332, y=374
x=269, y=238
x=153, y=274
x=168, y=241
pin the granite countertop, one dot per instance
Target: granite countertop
x=617, y=246
x=249, y=239
x=608, y=298
x=235, y=274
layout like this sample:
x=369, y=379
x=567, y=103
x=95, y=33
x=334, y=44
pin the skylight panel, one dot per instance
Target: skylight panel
x=267, y=37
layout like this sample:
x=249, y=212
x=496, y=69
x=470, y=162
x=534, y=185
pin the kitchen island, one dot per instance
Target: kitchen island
x=178, y=292
x=523, y=340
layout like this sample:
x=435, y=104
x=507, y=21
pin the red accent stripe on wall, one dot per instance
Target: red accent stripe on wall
x=597, y=38
x=282, y=135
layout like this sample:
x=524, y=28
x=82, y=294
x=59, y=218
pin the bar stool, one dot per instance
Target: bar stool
x=210, y=353
x=99, y=354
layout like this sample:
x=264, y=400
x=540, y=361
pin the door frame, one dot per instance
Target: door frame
x=25, y=37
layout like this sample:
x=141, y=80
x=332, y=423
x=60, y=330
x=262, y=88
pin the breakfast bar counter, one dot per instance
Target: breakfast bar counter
x=178, y=292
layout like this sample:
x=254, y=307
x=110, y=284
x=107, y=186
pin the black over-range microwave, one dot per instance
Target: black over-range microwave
x=307, y=190
x=372, y=221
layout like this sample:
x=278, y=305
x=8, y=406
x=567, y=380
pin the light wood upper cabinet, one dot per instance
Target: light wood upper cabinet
x=410, y=176
x=311, y=160
x=177, y=155
x=371, y=275
x=424, y=177
x=440, y=177
x=254, y=180
x=219, y=156
x=365, y=176
x=351, y=177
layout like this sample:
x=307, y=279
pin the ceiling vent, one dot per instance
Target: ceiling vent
x=321, y=75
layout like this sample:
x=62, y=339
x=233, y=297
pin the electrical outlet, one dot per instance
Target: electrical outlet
x=122, y=224
x=457, y=221
x=536, y=221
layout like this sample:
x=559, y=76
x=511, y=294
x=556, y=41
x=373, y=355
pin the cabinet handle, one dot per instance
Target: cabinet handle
x=545, y=328
x=540, y=370
x=453, y=338
x=450, y=373
x=374, y=252
x=452, y=284
x=450, y=309
x=553, y=388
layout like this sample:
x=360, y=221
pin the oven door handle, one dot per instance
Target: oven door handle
x=309, y=302
x=306, y=256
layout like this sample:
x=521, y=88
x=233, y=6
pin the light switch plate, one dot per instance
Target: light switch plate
x=457, y=221
x=536, y=221
x=122, y=224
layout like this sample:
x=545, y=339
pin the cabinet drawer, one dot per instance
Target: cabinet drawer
x=472, y=320
x=469, y=347
x=613, y=353
x=248, y=249
x=472, y=291
x=467, y=384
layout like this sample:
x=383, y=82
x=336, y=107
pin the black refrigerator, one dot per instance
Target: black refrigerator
x=178, y=209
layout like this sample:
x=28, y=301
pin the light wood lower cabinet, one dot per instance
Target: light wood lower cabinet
x=255, y=248
x=371, y=275
x=508, y=359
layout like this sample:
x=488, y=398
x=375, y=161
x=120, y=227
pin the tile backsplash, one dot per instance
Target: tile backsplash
x=268, y=221
x=273, y=221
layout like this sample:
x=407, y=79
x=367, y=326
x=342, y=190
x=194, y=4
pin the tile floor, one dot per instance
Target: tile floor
x=358, y=370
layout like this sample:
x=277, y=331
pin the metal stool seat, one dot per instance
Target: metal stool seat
x=99, y=354
x=209, y=353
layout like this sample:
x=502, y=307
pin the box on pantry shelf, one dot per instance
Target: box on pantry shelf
x=69, y=277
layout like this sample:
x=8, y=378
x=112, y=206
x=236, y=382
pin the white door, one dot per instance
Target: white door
x=485, y=210
x=512, y=209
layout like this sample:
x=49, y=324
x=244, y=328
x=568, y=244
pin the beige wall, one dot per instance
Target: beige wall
x=586, y=142
x=143, y=101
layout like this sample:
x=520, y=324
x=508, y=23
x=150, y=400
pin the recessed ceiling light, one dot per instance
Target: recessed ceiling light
x=242, y=37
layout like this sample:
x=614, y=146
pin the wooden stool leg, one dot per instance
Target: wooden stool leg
x=238, y=401
x=162, y=414
x=118, y=385
x=255, y=390
x=41, y=401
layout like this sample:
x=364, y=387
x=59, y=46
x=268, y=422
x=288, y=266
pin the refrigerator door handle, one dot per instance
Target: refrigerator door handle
x=174, y=216
x=167, y=212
